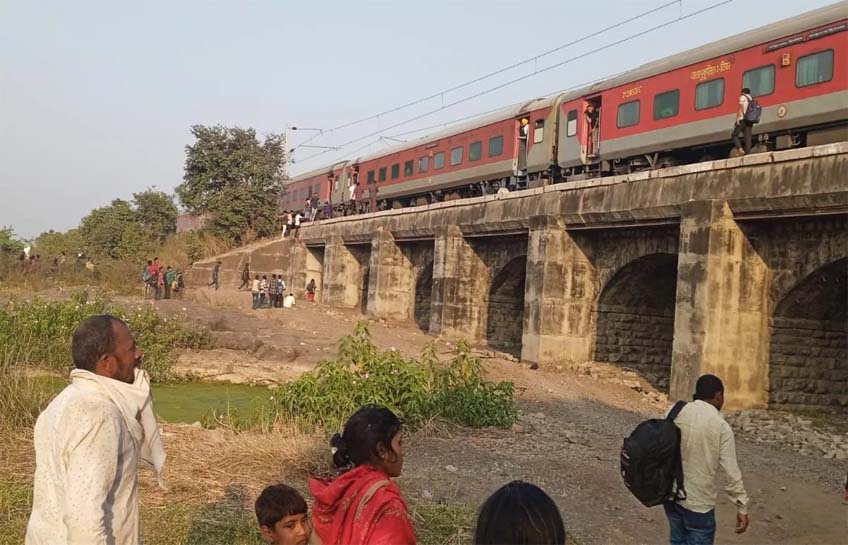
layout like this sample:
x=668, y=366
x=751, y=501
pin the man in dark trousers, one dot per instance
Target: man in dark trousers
x=245, y=277
x=216, y=275
x=706, y=444
x=743, y=126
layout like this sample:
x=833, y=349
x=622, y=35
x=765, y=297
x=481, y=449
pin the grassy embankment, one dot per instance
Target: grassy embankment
x=215, y=474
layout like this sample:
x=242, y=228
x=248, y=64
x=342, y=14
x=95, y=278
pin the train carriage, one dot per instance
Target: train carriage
x=682, y=109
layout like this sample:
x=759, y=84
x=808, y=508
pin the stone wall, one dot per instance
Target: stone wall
x=362, y=254
x=505, y=313
x=808, y=364
x=423, y=297
x=637, y=338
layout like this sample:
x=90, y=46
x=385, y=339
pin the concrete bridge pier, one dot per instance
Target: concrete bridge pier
x=559, y=296
x=391, y=283
x=721, y=313
x=305, y=263
x=460, y=283
x=345, y=272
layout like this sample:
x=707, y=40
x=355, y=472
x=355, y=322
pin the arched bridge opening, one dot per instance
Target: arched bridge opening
x=635, y=317
x=808, y=354
x=505, y=311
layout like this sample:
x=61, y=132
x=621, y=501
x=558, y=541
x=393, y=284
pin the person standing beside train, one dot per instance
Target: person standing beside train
x=742, y=125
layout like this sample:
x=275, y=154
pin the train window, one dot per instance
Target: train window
x=408, y=168
x=628, y=114
x=316, y=190
x=571, y=123
x=666, y=104
x=759, y=80
x=814, y=69
x=395, y=171
x=382, y=176
x=475, y=151
x=423, y=164
x=439, y=160
x=709, y=94
x=495, y=146
x=539, y=131
x=456, y=156
x=370, y=176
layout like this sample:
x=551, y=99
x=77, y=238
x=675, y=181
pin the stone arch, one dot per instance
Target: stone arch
x=635, y=317
x=505, y=309
x=423, y=296
x=808, y=353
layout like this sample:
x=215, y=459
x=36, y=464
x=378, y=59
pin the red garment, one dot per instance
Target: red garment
x=344, y=515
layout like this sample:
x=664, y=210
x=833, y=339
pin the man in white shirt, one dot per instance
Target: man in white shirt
x=706, y=444
x=742, y=126
x=288, y=302
x=89, y=442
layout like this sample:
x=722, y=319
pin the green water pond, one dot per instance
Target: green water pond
x=188, y=402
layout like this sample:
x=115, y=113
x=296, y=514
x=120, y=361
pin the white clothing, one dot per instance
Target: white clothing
x=297, y=219
x=707, y=443
x=254, y=287
x=744, y=100
x=88, y=444
x=288, y=302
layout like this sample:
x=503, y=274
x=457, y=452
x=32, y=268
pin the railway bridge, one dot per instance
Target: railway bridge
x=735, y=267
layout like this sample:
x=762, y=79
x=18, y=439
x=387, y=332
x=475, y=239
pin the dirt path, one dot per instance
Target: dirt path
x=567, y=441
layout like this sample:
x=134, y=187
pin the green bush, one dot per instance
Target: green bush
x=416, y=390
x=38, y=332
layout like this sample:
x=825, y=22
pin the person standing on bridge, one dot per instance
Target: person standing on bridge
x=743, y=126
x=706, y=444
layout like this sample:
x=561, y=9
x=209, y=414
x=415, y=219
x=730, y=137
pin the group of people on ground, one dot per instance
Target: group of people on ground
x=269, y=293
x=91, y=439
x=161, y=282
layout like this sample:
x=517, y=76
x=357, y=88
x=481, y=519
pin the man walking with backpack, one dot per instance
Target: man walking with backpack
x=706, y=444
x=747, y=115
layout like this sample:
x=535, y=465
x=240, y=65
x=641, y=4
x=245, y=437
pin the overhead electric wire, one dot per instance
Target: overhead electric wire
x=516, y=80
x=478, y=79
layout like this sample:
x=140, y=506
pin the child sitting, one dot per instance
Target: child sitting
x=283, y=518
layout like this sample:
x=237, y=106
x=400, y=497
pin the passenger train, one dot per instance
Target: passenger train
x=677, y=110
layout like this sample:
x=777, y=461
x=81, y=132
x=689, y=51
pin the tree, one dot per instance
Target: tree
x=8, y=243
x=234, y=177
x=156, y=212
x=53, y=243
x=103, y=228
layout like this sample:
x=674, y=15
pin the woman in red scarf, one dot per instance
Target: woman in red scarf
x=363, y=506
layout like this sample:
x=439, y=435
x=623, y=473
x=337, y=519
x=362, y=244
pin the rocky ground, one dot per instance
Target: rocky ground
x=567, y=440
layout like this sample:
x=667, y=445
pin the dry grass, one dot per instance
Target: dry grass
x=214, y=476
x=204, y=464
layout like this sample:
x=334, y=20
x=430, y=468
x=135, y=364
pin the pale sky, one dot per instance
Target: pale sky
x=97, y=98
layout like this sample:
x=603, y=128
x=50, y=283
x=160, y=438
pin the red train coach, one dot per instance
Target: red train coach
x=472, y=158
x=682, y=109
x=319, y=182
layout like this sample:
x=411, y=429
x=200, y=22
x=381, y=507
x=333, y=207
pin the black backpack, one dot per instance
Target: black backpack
x=754, y=111
x=651, y=463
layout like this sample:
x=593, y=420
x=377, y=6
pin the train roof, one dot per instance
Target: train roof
x=508, y=112
x=322, y=171
x=750, y=38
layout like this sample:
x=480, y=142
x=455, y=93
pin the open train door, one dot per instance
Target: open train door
x=523, y=135
x=590, y=135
